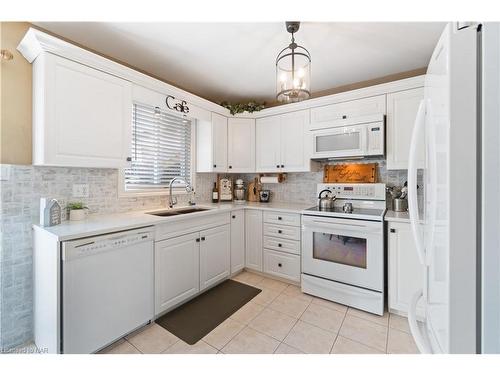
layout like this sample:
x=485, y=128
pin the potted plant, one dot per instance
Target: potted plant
x=77, y=211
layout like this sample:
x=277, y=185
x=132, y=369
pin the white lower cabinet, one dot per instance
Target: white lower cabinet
x=187, y=264
x=282, y=265
x=177, y=270
x=253, y=239
x=214, y=255
x=237, y=241
x=405, y=273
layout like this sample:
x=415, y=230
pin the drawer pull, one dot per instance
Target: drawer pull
x=280, y=218
x=279, y=245
x=197, y=240
x=280, y=231
x=279, y=265
x=234, y=217
x=203, y=238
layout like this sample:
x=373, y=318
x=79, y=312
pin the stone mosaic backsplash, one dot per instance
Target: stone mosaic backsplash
x=23, y=186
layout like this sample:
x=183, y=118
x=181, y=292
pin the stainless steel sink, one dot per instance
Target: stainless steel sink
x=178, y=211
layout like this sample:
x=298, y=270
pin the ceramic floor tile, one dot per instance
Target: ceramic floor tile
x=201, y=347
x=323, y=317
x=275, y=285
x=364, y=332
x=345, y=346
x=310, y=339
x=287, y=349
x=273, y=323
x=122, y=347
x=294, y=291
x=265, y=297
x=383, y=320
x=293, y=306
x=248, y=278
x=249, y=341
x=329, y=304
x=247, y=313
x=152, y=339
x=223, y=333
x=400, y=342
x=399, y=322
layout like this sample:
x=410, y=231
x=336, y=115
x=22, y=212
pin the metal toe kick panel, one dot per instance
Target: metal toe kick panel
x=359, y=298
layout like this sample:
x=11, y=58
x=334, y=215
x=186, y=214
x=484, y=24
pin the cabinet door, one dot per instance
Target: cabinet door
x=214, y=255
x=177, y=272
x=85, y=119
x=295, y=156
x=402, y=110
x=241, y=145
x=406, y=274
x=268, y=144
x=253, y=239
x=219, y=139
x=237, y=240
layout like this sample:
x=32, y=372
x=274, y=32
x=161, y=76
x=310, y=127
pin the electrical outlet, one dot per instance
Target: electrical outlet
x=81, y=190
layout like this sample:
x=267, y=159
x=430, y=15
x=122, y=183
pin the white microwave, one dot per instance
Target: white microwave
x=364, y=136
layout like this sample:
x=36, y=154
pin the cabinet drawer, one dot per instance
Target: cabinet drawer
x=282, y=231
x=340, y=113
x=282, y=265
x=287, y=246
x=275, y=217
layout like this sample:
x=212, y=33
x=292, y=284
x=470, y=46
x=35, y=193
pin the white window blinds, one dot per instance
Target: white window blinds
x=161, y=149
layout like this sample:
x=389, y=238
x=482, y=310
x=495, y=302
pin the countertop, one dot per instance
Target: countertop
x=101, y=224
x=400, y=217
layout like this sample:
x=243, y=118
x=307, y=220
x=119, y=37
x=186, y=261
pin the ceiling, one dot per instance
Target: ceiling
x=235, y=61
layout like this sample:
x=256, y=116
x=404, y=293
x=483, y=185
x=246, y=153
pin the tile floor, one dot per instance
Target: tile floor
x=283, y=320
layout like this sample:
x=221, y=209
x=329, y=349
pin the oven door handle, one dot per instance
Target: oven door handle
x=317, y=224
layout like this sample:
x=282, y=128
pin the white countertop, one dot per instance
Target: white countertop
x=400, y=217
x=102, y=224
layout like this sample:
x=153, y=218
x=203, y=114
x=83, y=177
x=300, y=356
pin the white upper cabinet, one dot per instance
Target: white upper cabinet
x=241, y=145
x=283, y=143
x=339, y=114
x=82, y=117
x=211, y=146
x=402, y=109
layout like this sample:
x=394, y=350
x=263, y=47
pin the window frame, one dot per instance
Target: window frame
x=122, y=192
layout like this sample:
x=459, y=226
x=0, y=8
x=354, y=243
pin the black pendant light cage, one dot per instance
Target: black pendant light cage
x=293, y=70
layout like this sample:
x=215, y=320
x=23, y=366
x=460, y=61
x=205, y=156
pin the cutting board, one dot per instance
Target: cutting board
x=341, y=173
x=253, y=190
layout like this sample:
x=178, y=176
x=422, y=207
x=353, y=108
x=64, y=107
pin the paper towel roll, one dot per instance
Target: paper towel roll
x=269, y=180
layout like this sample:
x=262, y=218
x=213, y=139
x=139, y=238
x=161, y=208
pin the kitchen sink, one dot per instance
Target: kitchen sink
x=178, y=211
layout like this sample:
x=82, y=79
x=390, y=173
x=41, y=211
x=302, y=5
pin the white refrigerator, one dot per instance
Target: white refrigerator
x=461, y=310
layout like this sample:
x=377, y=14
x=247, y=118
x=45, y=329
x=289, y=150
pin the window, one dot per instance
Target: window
x=161, y=150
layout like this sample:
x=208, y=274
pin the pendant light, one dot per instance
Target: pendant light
x=293, y=70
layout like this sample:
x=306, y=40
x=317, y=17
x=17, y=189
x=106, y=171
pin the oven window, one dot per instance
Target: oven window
x=337, y=142
x=335, y=248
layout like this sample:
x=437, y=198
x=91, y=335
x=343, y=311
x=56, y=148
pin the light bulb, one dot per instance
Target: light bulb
x=300, y=73
x=283, y=77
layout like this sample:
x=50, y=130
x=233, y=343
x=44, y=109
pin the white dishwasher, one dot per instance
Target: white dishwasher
x=107, y=288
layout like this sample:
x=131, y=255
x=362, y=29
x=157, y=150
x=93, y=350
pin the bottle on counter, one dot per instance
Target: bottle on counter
x=215, y=194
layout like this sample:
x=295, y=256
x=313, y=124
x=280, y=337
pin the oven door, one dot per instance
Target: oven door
x=346, y=141
x=343, y=250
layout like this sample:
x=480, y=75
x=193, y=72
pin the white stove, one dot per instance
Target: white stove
x=343, y=252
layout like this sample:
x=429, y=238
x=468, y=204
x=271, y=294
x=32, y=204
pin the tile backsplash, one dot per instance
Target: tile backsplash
x=23, y=186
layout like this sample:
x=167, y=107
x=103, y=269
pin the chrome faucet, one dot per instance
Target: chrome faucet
x=172, y=201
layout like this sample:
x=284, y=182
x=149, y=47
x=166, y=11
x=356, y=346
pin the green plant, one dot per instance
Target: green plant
x=242, y=107
x=76, y=206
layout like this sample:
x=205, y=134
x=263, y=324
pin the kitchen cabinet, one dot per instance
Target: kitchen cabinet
x=214, y=255
x=212, y=144
x=82, y=117
x=402, y=110
x=405, y=273
x=177, y=270
x=241, y=145
x=253, y=239
x=340, y=114
x=237, y=240
x=283, y=143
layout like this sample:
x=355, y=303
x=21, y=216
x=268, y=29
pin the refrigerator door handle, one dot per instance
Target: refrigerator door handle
x=412, y=182
x=421, y=342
